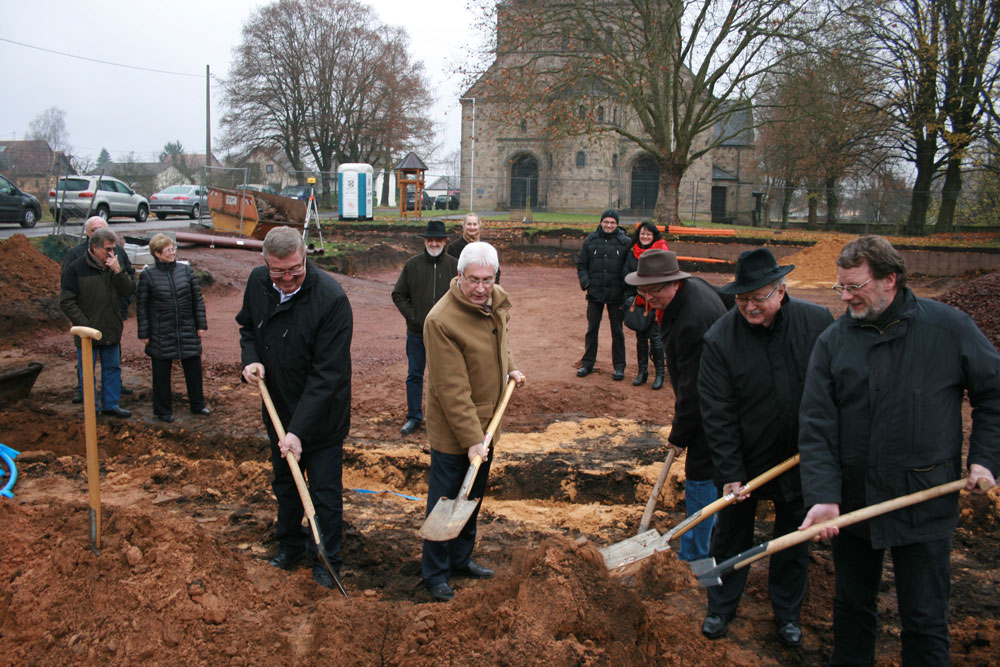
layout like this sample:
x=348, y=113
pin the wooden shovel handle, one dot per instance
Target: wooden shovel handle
x=86, y=332
x=470, y=475
x=647, y=515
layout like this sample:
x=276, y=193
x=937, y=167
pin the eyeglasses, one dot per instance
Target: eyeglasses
x=755, y=299
x=475, y=282
x=650, y=292
x=851, y=289
x=293, y=273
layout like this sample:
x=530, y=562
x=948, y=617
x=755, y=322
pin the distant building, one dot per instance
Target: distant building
x=33, y=166
x=267, y=166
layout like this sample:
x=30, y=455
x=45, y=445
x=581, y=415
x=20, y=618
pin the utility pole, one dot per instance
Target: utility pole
x=208, y=119
x=472, y=176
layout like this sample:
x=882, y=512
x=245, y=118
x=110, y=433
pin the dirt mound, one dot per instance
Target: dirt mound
x=980, y=298
x=29, y=282
x=816, y=266
x=556, y=606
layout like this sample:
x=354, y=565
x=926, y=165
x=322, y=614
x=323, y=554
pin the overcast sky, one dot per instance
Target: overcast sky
x=132, y=110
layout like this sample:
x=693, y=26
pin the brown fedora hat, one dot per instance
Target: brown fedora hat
x=656, y=266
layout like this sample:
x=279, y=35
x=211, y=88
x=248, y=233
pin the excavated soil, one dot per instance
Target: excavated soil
x=188, y=515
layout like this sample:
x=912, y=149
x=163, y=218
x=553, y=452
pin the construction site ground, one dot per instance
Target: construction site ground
x=188, y=515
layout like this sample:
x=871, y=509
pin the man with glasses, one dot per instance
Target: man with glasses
x=599, y=269
x=753, y=365
x=690, y=306
x=91, y=294
x=295, y=334
x=423, y=280
x=468, y=363
x=881, y=417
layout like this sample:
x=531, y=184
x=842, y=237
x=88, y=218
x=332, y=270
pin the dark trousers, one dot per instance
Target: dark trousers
x=323, y=469
x=649, y=344
x=615, y=316
x=787, y=570
x=416, y=360
x=923, y=586
x=447, y=473
x=162, y=402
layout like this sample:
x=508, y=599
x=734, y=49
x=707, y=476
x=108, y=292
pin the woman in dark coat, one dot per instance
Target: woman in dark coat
x=170, y=313
x=647, y=343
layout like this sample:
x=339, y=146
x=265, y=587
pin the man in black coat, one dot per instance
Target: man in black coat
x=425, y=279
x=881, y=417
x=76, y=252
x=295, y=333
x=599, y=268
x=753, y=366
x=690, y=306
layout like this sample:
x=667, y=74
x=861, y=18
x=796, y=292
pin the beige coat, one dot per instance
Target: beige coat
x=468, y=359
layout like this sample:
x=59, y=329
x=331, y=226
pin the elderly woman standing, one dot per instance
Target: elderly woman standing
x=647, y=343
x=170, y=312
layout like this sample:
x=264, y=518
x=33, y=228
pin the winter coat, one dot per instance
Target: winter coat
x=91, y=295
x=599, y=265
x=305, y=346
x=80, y=249
x=750, y=384
x=170, y=311
x=687, y=317
x=422, y=282
x=468, y=359
x=881, y=415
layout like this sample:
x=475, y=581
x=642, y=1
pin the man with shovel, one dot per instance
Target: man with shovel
x=295, y=334
x=468, y=363
x=881, y=417
x=690, y=306
x=753, y=366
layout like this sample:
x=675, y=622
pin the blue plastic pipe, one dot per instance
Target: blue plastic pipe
x=8, y=455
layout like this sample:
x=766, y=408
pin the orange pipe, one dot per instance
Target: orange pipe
x=709, y=260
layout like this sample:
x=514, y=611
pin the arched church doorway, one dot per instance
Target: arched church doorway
x=524, y=182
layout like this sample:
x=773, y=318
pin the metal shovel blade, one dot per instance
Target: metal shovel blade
x=633, y=549
x=707, y=572
x=447, y=519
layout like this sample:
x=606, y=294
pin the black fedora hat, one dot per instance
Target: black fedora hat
x=755, y=269
x=435, y=230
x=656, y=266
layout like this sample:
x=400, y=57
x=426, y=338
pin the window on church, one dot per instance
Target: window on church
x=581, y=159
x=524, y=125
x=614, y=161
x=581, y=112
x=600, y=114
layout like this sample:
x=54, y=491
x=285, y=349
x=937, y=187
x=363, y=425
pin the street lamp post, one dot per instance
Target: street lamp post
x=472, y=169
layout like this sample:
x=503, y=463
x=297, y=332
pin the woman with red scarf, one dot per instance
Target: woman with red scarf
x=647, y=343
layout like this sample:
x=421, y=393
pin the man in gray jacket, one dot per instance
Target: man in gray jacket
x=881, y=417
x=424, y=280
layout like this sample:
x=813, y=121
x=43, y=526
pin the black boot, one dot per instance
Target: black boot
x=642, y=359
x=643, y=374
x=656, y=351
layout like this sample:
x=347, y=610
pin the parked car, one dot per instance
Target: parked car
x=446, y=202
x=16, y=205
x=186, y=200
x=259, y=187
x=296, y=192
x=427, y=203
x=105, y=196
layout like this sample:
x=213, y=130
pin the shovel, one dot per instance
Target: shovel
x=645, y=544
x=300, y=484
x=448, y=517
x=647, y=515
x=87, y=336
x=710, y=574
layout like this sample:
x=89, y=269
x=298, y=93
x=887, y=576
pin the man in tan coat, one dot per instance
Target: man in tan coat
x=468, y=363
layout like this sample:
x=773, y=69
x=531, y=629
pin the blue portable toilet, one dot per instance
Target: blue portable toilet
x=355, y=190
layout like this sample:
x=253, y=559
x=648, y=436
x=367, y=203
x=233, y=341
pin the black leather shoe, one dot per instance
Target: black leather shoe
x=641, y=378
x=202, y=411
x=658, y=381
x=126, y=391
x=117, y=412
x=715, y=626
x=471, y=569
x=165, y=418
x=322, y=577
x=410, y=426
x=789, y=633
x=619, y=374
x=584, y=371
x=441, y=592
x=286, y=560
x=78, y=396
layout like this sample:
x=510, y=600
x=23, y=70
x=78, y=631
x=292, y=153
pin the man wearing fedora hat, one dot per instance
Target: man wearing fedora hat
x=690, y=306
x=424, y=280
x=753, y=368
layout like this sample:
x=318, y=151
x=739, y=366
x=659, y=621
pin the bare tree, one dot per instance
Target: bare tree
x=667, y=74
x=50, y=125
x=326, y=82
